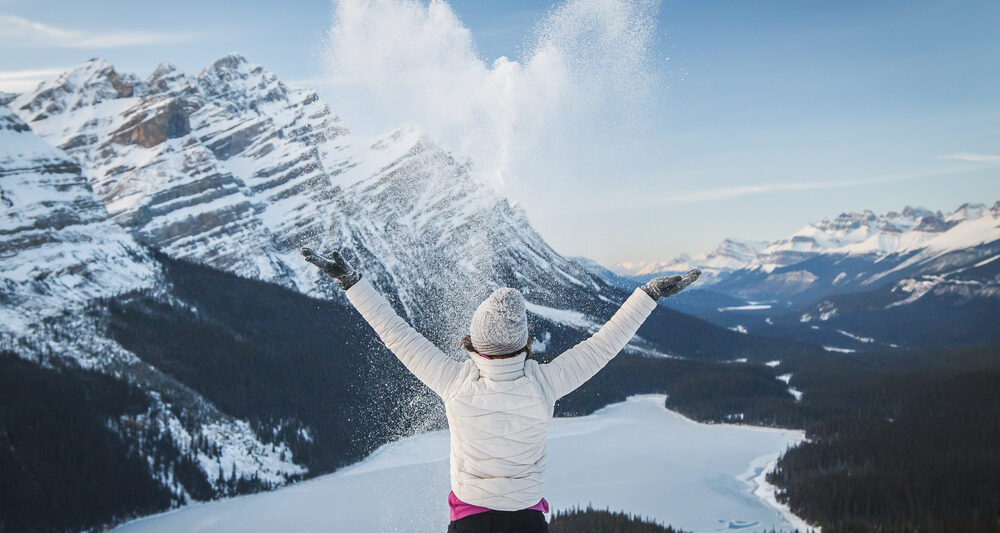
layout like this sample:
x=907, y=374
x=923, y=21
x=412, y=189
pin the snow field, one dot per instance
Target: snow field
x=636, y=456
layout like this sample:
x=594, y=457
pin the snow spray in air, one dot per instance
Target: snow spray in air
x=585, y=76
x=586, y=68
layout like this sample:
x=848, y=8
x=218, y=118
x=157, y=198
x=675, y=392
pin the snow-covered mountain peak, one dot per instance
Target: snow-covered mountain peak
x=90, y=83
x=729, y=255
x=231, y=62
x=236, y=83
x=916, y=212
x=168, y=79
x=640, y=268
x=736, y=249
x=968, y=212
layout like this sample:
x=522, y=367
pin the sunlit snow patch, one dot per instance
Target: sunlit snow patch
x=748, y=307
x=838, y=350
x=856, y=337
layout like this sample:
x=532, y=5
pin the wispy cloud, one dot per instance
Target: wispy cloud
x=17, y=81
x=974, y=158
x=308, y=83
x=19, y=32
x=721, y=193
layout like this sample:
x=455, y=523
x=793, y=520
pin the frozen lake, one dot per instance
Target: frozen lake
x=635, y=456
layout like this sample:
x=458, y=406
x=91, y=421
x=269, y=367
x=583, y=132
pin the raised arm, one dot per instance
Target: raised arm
x=429, y=364
x=575, y=366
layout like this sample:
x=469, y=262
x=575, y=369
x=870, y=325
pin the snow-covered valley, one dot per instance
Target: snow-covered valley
x=636, y=456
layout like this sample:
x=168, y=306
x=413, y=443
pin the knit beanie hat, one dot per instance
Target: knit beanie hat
x=500, y=323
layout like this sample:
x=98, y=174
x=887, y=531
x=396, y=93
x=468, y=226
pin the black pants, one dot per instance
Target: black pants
x=524, y=521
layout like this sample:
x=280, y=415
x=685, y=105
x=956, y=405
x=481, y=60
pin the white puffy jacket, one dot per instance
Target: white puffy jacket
x=499, y=410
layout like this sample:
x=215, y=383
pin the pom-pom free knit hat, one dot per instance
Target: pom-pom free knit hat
x=500, y=323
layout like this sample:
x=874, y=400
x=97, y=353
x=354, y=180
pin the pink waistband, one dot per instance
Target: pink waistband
x=460, y=509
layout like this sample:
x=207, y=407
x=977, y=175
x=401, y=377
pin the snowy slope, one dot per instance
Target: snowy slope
x=233, y=169
x=695, y=476
x=59, y=247
x=60, y=252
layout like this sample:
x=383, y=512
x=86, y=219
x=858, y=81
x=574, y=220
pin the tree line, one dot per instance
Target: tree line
x=898, y=442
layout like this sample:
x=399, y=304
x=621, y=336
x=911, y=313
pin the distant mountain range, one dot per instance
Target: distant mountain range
x=855, y=282
x=730, y=255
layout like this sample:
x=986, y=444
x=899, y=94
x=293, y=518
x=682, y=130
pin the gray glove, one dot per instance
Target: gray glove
x=670, y=285
x=335, y=266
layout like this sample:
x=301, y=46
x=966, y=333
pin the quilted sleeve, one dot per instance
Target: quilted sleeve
x=575, y=366
x=429, y=364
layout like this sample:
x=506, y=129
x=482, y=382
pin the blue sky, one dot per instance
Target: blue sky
x=765, y=117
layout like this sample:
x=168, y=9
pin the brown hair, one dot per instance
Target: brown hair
x=466, y=343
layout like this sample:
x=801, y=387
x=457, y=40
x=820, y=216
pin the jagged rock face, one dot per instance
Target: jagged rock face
x=58, y=246
x=236, y=170
x=152, y=126
x=193, y=165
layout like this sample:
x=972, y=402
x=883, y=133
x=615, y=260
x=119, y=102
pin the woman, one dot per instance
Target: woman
x=499, y=405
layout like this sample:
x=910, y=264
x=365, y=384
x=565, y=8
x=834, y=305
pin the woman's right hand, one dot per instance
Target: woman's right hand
x=334, y=266
x=670, y=285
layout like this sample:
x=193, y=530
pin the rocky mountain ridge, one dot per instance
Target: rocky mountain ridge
x=233, y=169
